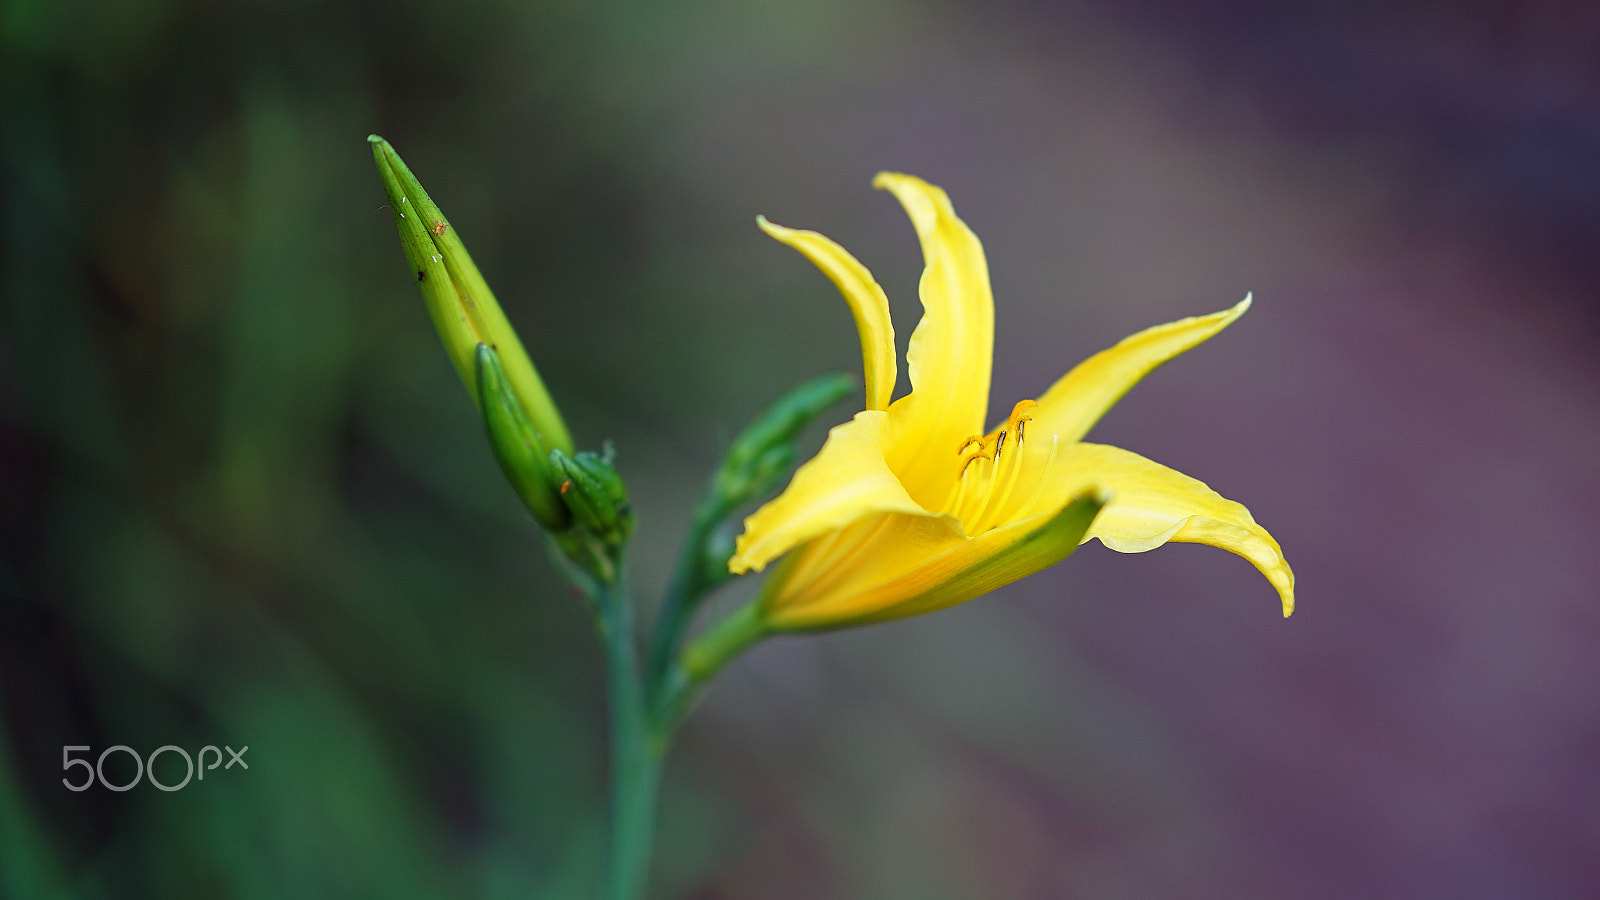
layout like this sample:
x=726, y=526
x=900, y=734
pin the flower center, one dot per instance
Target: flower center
x=989, y=472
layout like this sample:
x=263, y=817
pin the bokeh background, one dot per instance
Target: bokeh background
x=245, y=502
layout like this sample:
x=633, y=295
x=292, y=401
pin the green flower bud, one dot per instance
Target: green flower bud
x=595, y=494
x=764, y=451
x=463, y=308
x=516, y=443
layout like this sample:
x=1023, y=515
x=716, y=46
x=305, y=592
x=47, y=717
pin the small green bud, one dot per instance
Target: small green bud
x=463, y=308
x=593, y=491
x=764, y=451
x=516, y=443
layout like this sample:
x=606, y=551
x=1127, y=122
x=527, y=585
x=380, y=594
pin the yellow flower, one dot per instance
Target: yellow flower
x=910, y=508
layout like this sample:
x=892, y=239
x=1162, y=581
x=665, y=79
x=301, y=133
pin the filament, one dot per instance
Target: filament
x=1010, y=481
x=994, y=475
x=1044, y=479
x=978, y=503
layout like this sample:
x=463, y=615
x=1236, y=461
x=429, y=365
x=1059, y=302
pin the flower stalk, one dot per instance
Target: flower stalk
x=752, y=466
x=636, y=751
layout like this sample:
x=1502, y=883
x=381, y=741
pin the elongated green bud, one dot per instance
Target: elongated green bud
x=595, y=494
x=463, y=308
x=763, y=452
x=516, y=443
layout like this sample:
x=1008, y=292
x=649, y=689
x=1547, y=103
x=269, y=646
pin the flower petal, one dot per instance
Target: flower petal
x=952, y=349
x=909, y=565
x=868, y=304
x=1152, y=504
x=847, y=480
x=1074, y=403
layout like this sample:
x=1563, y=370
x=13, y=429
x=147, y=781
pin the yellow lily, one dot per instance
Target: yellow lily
x=909, y=507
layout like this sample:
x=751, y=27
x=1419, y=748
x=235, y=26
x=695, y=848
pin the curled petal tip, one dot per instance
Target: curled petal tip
x=883, y=179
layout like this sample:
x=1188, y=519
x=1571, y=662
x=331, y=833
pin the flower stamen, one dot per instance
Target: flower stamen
x=994, y=477
x=1044, y=479
x=995, y=501
x=952, y=500
x=977, y=504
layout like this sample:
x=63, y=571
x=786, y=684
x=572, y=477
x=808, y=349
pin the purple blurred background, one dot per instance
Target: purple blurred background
x=1412, y=407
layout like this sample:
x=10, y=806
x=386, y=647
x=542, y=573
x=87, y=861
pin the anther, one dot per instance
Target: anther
x=966, y=465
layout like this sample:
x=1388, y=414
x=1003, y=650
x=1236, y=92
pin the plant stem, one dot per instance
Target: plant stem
x=635, y=757
x=684, y=592
x=711, y=651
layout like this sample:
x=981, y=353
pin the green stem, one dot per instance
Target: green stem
x=684, y=592
x=635, y=758
x=727, y=639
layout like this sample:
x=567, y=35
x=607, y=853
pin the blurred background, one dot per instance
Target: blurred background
x=245, y=502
